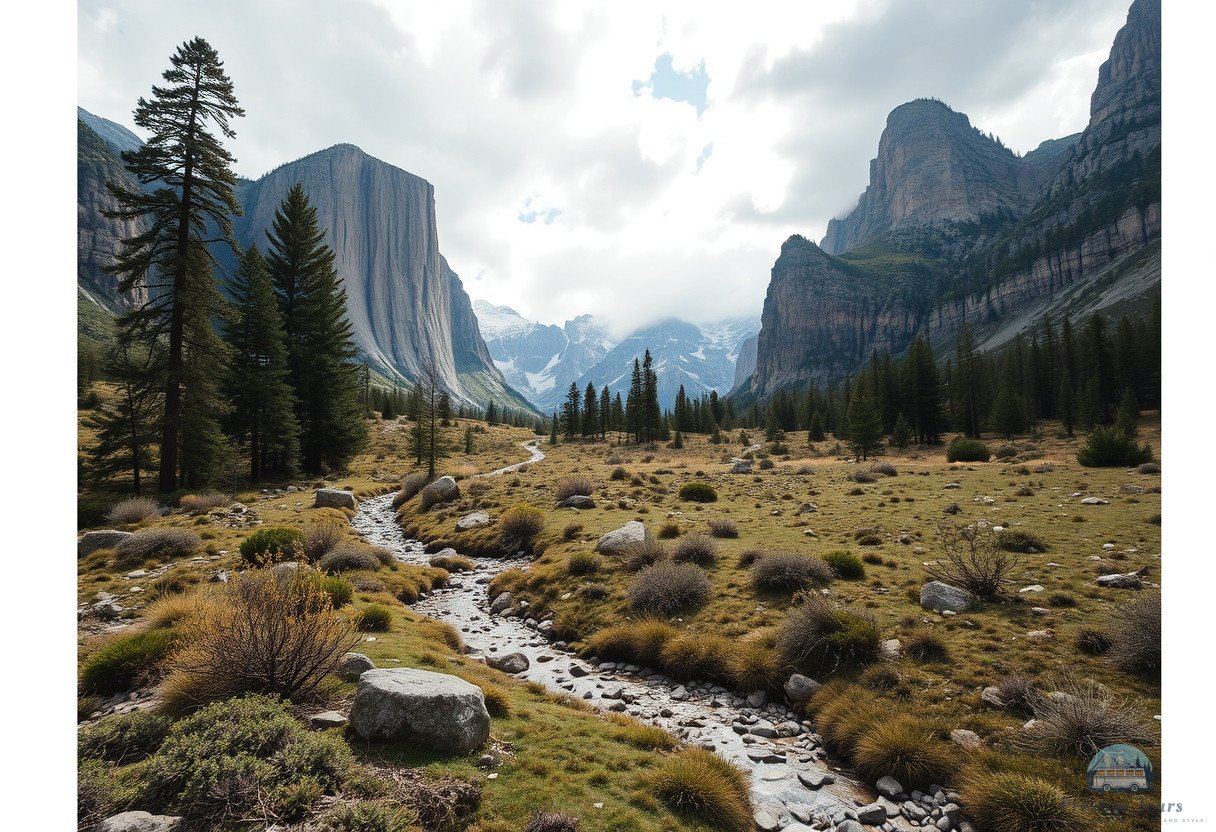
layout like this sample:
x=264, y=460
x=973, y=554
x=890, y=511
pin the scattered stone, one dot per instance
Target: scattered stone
x=1040, y=635
x=1094, y=501
x=799, y=688
x=1032, y=588
x=741, y=466
x=327, y=719
x=889, y=787
x=939, y=596
x=139, y=822
x=334, y=498
x=757, y=699
x=849, y=826
x=1123, y=580
x=438, y=711
x=510, y=663
x=768, y=818
x=815, y=778
x=617, y=541
x=100, y=539
x=680, y=694
x=871, y=815
x=967, y=739
x=442, y=490
x=951, y=485
x=475, y=520
x=890, y=648
x=578, y=501
x=353, y=665
x=578, y=671
x=502, y=603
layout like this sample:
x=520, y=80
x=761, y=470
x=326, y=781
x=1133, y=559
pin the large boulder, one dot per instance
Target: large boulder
x=100, y=539
x=502, y=603
x=741, y=466
x=334, y=498
x=475, y=520
x=799, y=688
x=1123, y=580
x=618, y=540
x=510, y=663
x=939, y=596
x=578, y=501
x=442, y=490
x=353, y=665
x=437, y=711
x=139, y=822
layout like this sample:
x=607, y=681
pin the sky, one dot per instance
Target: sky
x=635, y=160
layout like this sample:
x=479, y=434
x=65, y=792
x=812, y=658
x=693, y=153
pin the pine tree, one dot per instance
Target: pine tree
x=1065, y=404
x=634, y=404
x=652, y=415
x=263, y=404
x=924, y=393
x=678, y=441
x=128, y=426
x=553, y=429
x=468, y=440
x=901, y=435
x=1128, y=414
x=492, y=413
x=967, y=379
x=605, y=413
x=389, y=411
x=445, y=409
x=570, y=412
x=320, y=348
x=865, y=422
x=591, y=416
x=1008, y=415
x=815, y=430
x=189, y=190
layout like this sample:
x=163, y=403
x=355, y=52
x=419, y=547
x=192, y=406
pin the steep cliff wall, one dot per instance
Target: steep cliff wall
x=97, y=236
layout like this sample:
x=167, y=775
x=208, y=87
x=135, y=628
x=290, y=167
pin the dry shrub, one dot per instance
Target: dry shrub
x=754, y=666
x=572, y=531
x=816, y=638
x=126, y=662
x=884, y=468
x=640, y=735
x=203, y=503
x=699, y=656
x=1092, y=642
x=410, y=486
x=618, y=474
x=696, y=548
x=973, y=559
x=788, y=572
x=749, y=556
x=577, y=486
x=905, y=749
x=320, y=538
x=1017, y=692
x=498, y=703
x=669, y=588
x=583, y=563
x=374, y=618
x=1135, y=636
x=1079, y=717
x=640, y=643
x=843, y=714
x=178, y=609
x=348, y=557
x=595, y=591
x=701, y=785
x=669, y=531
x=133, y=510
x=924, y=645
x=163, y=544
x=519, y=525
x=452, y=563
x=1009, y=802
x=269, y=634
x=464, y=471
x=638, y=556
x=863, y=476
x=552, y=822
x=724, y=528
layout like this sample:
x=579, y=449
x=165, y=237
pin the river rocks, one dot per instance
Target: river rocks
x=510, y=663
x=139, y=822
x=442, y=490
x=967, y=739
x=1031, y=588
x=799, y=688
x=475, y=520
x=438, y=711
x=939, y=596
x=757, y=699
x=327, y=719
x=578, y=501
x=850, y=826
x=502, y=603
x=680, y=694
x=871, y=815
x=889, y=787
x=617, y=541
x=334, y=498
x=768, y=818
x=100, y=539
x=353, y=665
x=815, y=778
x=577, y=671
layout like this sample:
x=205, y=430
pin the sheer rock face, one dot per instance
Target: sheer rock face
x=745, y=364
x=98, y=238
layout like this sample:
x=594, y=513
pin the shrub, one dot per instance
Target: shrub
x=124, y=738
x=641, y=642
x=126, y=662
x=699, y=656
x=698, y=492
x=638, y=556
x=846, y=565
x=701, y=785
x=1006, y=452
x=583, y=563
x=1014, y=540
x=272, y=544
x=203, y=503
x=318, y=539
x=640, y=735
x=267, y=634
x=924, y=645
x=595, y=591
x=172, y=583
x=817, y=638
x=1109, y=446
x=174, y=610
x=881, y=676
x=618, y=473
x=368, y=816
x=572, y=531
x=164, y=544
x=569, y=487
x=1080, y=717
x=862, y=476
x=787, y=572
x=1008, y=802
x=845, y=714
x=241, y=756
x=905, y=749
x=452, y=563
x=552, y=822
x=348, y=557
x=884, y=468
x=973, y=560
x=498, y=703
x=133, y=510
x=967, y=450
x=1135, y=636
x=749, y=556
x=872, y=558
x=1061, y=599
x=696, y=548
x=767, y=464
x=669, y=531
x=410, y=486
x=753, y=666
x=374, y=618
x=1092, y=642
x=724, y=529
x=669, y=588
x=519, y=525
x=1017, y=692
x=339, y=590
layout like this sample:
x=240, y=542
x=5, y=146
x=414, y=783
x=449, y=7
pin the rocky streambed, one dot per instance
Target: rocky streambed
x=793, y=787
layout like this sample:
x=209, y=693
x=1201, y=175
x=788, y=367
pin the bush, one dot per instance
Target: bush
x=318, y=539
x=272, y=544
x=845, y=714
x=906, y=750
x=1135, y=636
x=816, y=638
x=552, y=822
x=1014, y=540
x=1109, y=446
x=163, y=544
x=618, y=473
x=244, y=756
x=701, y=785
x=862, y=476
x=924, y=645
x=1092, y=642
x=452, y=563
x=498, y=702
x=1007, y=802
x=169, y=584
x=846, y=565
x=595, y=591
x=638, y=556
x=669, y=531
x=133, y=510
x=699, y=656
x=572, y=531
x=698, y=492
x=1086, y=718
x=640, y=735
x=724, y=529
x=519, y=525
x=126, y=662
x=787, y=572
x=967, y=450
x=696, y=548
x=368, y=816
x=749, y=556
x=267, y=634
x=410, y=486
x=669, y=588
x=203, y=503
x=767, y=464
x=884, y=468
x=339, y=590
x=569, y=487
x=639, y=643
x=175, y=610
x=124, y=738
x=1006, y=452
x=374, y=618
x=973, y=560
x=1017, y=692
x=583, y=563
x=349, y=557
x=753, y=666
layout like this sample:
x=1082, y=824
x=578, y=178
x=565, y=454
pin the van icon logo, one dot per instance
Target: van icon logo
x=1120, y=768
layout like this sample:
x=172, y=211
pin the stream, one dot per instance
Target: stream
x=790, y=782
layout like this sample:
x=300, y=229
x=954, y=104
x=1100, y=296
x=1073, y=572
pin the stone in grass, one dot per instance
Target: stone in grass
x=617, y=541
x=967, y=739
x=799, y=688
x=99, y=539
x=139, y=822
x=435, y=710
x=475, y=520
x=334, y=498
x=442, y=490
x=327, y=719
x=502, y=603
x=940, y=596
x=353, y=665
x=578, y=501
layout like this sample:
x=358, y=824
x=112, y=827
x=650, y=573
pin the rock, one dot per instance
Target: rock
x=872, y=814
x=100, y=539
x=502, y=603
x=106, y=610
x=741, y=466
x=967, y=739
x=680, y=694
x=889, y=787
x=850, y=826
x=334, y=498
x=936, y=595
x=799, y=688
x=578, y=501
x=353, y=665
x=442, y=490
x=1124, y=580
x=139, y=822
x=757, y=699
x=617, y=541
x=577, y=671
x=951, y=508
x=768, y=818
x=327, y=719
x=807, y=508
x=1040, y=635
x=510, y=663
x=438, y=711
x=1094, y=501
x=815, y=778
x=890, y=648
x=992, y=695
x=475, y=520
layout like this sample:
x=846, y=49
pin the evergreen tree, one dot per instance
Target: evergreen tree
x=814, y=431
x=1065, y=404
x=389, y=410
x=678, y=441
x=128, y=426
x=967, y=379
x=570, y=412
x=591, y=416
x=618, y=415
x=652, y=416
x=445, y=409
x=263, y=404
x=188, y=190
x=1089, y=406
x=468, y=440
x=865, y=422
x=492, y=413
x=605, y=413
x=901, y=435
x=320, y=348
x=1008, y=415
x=417, y=434
x=553, y=429
x=635, y=404
x=1128, y=414
x=924, y=393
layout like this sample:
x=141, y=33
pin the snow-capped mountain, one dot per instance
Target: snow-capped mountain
x=540, y=360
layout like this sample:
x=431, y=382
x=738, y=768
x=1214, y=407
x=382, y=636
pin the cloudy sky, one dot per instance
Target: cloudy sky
x=634, y=160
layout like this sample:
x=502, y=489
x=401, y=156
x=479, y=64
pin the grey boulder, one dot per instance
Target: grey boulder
x=510, y=663
x=437, y=711
x=617, y=541
x=100, y=539
x=475, y=520
x=939, y=596
x=334, y=498
x=139, y=822
x=742, y=466
x=578, y=501
x=799, y=688
x=442, y=490
x=502, y=603
x=353, y=665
